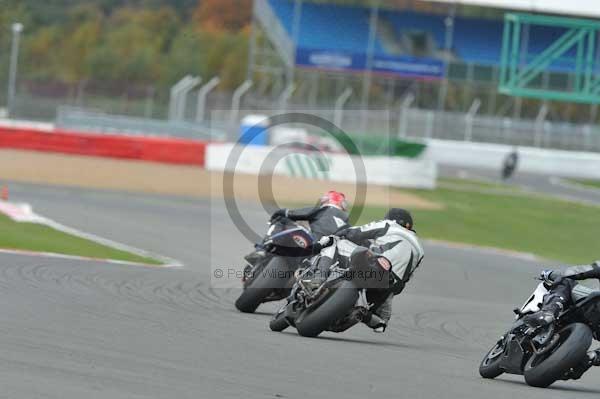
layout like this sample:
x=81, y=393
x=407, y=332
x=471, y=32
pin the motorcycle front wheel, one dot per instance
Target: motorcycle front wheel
x=571, y=350
x=490, y=365
x=279, y=323
x=268, y=280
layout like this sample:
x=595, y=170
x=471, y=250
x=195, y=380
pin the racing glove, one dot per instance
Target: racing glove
x=279, y=214
x=324, y=242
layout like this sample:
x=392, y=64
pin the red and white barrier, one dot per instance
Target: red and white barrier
x=155, y=149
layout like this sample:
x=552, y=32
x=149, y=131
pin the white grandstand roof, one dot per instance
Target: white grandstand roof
x=581, y=8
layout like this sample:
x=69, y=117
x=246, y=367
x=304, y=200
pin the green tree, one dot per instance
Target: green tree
x=235, y=63
x=40, y=58
x=133, y=45
x=223, y=15
x=187, y=55
x=145, y=42
x=81, y=35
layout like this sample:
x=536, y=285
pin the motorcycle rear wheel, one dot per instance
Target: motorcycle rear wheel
x=337, y=305
x=543, y=370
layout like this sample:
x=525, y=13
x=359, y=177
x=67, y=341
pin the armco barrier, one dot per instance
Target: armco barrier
x=533, y=160
x=166, y=150
x=385, y=171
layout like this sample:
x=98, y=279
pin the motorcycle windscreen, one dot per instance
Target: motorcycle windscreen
x=535, y=301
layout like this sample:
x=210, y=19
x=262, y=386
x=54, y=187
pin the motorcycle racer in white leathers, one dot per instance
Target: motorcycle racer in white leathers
x=392, y=239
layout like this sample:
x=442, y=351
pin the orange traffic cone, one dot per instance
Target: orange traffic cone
x=4, y=193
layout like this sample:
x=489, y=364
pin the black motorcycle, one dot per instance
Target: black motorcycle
x=544, y=355
x=286, y=244
x=339, y=303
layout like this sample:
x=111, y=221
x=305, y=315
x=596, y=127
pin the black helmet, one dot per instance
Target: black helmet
x=401, y=216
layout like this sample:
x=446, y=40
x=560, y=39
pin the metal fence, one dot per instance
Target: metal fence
x=146, y=111
x=410, y=123
x=488, y=129
x=99, y=122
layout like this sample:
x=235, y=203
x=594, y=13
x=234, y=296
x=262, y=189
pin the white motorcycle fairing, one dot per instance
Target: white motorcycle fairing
x=535, y=301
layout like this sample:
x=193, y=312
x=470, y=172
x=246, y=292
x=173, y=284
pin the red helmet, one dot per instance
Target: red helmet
x=334, y=198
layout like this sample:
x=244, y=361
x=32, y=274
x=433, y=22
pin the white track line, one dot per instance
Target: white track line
x=75, y=257
x=24, y=213
x=168, y=262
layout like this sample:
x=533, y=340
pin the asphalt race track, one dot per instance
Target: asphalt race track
x=72, y=329
x=535, y=183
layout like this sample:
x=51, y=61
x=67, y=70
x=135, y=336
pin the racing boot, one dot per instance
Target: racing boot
x=594, y=357
x=375, y=322
x=547, y=315
x=542, y=318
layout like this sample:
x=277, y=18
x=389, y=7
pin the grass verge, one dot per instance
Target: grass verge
x=547, y=227
x=472, y=184
x=587, y=183
x=39, y=238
